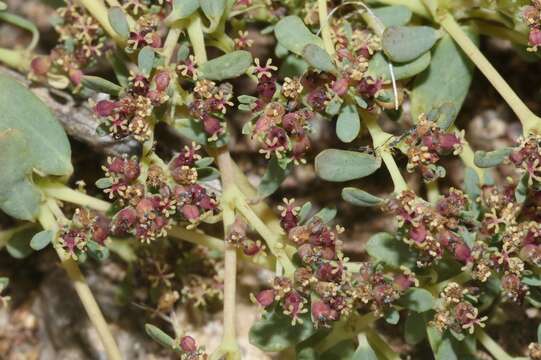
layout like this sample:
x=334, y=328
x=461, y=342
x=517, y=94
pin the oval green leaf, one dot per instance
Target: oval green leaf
x=393, y=15
x=118, y=21
x=21, y=109
x=41, y=240
x=342, y=165
x=487, y=159
x=416, y=299
x=378, y=67
x=318, y=58
x=182, y=9
x=292, y=34
x=18, y=245
x=274, y=332
x=227, y=66
x=360, y=197
x=415, y=328
x=159, y=336
x=101, y=85
x=348, y=124
x=273, y=178
x=406, y=43
x=386, y=248
x=145, y=60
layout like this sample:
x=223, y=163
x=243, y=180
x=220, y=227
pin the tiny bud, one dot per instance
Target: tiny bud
x=104, y=108
x=40, y=65
x=188, y=344
x=190, y=212
x=265, y=298
x=534, y=38
x=162, y=80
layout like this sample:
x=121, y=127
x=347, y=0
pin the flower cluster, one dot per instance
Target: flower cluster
x=532, y=17
x=152, y=200
x=455, y=312
x=426, y=143
x=323, y=279
x=238, y=237
x=431, y=229
x=145, y=32
x=526, y=157
x=81, y=43
x=86, y=227
x=131, y=114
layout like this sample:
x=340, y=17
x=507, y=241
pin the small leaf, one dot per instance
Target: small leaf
x=360, y=197
x=103, y=183
x=415, y=328
x=101, y=85
x=406, y=43
x=348, y=124
x=183, y=51
x=159, y=336
x=471, y=184
x=292, y=34
x=246, y=99
x=15, y=160
x=392, y=316
x=416, y=299
x=447, y=80
x=213, y=10
x=191, y=129
x=22, y=202
x=342, y=165
x=447, y=113
x=393, y=15
x=364, y=351
x=531, y=280
x=385, y=248
x=182, y=9
x=378, y=67
x=207, y=174
x=318, y=58
x=18, y=246
x=333, y=106
x=304, y=212
x=227, y=66
x=484, y=159
x=41, y=240
x=521, y=191
x=274, y=332
x=22, y=110
x=117, y=19
x=273, y=178
x=326, y=214
x=97, y=251
x=145, y=60
x=204, y=162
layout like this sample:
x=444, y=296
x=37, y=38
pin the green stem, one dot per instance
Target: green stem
x=197, y=39
x=380, y=345
x=15, y=59
x=62, y=192
x=48, y=222
x=171, y=41
x=379, y=139
x=229, y=343
x=274, y=241
x=528, y=119
x=324, y=25
x=467, y=156
x=493, y=348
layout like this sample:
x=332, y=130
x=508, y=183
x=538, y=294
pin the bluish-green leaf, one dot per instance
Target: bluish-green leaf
x=487, y=159
x=145, y=60
x=318, y=58
x=21, y=109
x=207, y=173
x=274, y=332
x=417, y=299
x=521, y=191
x=101, y=85
x=97, y=251
x=385, y=248
x=447, y=80
x=406, y=43
x=360, y=197
x=182, y=9
x=159, y=336
x=326, y=214
x=213, y=10
x=191, y=129
x=227, y=66
x=22, y=202
x=378, y=67
x=117, y=19
x=292, y=34
x=41, y=240
x=471, y=184
x=348, y=124
x=397, y=15
x=15, y=160
x=343, y=165
x=304, y=212
x=392, y=316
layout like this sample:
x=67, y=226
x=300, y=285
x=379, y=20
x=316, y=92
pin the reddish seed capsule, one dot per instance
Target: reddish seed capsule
x=462, y=252
x=162, y=80
x=188, y=344
x=104, y=108
x=321, y=311
x=190, y=212
x=40, y=65
x=211, y=125
x=123, y=221
x=402, y=282
x=265, y=298
x=535, y=37
x=76, y=76
x=340, y=86
x=250, y=247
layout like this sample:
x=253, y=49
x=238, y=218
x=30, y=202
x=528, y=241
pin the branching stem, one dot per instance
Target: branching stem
x=325, y=28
